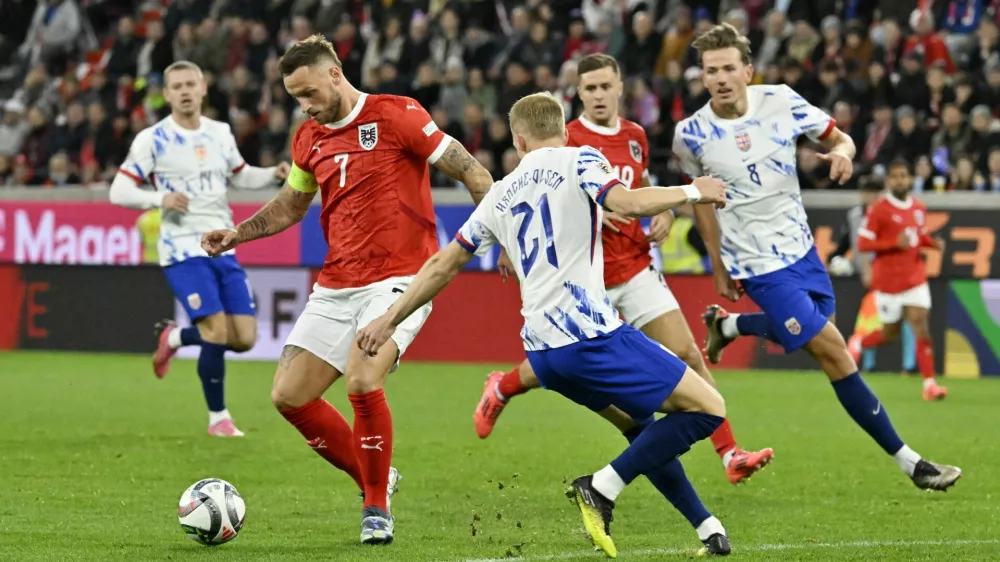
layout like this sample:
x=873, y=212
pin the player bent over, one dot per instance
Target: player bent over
x=546, y=214
x=894, y=229
x=747, y=134
x=189, y=159
x=637, y=291
x=368, y=155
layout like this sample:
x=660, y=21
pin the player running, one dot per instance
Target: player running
x=547, y=214
x=189, y=159
x=746, y=136
x=368, y=155
x=894, y=230
x=636, y=289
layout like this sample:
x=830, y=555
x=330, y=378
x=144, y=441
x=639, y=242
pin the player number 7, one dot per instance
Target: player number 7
x=342, y=160
x=528, y=258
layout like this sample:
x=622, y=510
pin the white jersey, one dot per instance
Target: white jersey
x=547, y=214
x=196, y=163
x=764, y=225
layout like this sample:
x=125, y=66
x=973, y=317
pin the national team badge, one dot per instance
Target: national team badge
x=194, y=301
x=793, y=326
x=636, y=150
x=743, y=141
x=200, y=152
x=368, y=135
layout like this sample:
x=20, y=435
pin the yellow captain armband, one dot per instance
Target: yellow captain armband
x=301, y=180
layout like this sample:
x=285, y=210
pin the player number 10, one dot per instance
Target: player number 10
x=528, y=258
x=342, y=160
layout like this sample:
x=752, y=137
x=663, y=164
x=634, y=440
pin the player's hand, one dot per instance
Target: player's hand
x=281, y=171
x=372, y=337
x=610, y=218
x=504, y=264
x=659, y=228
x=726, y=286
x=218, y=242
x=841, y=167
x=939, y=243
x=712, y=191
x=175, y=202
x=904, y=240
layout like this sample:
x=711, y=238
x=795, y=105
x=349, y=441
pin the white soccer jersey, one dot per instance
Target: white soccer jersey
x=764, y=226
x=195, y=163
x=547, y=214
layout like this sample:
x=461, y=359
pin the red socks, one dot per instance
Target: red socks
x=373, y=444
x=510, y=384
x=873, y=339
x=329, y=434
x=723, y=439
x=925, y=358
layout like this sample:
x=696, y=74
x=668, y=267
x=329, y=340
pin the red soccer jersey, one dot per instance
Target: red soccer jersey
x=625, y=146
x=371, y=168
x=895, y=269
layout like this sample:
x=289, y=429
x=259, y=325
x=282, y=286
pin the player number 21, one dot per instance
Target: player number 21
x=342, y=160
x=528, y=258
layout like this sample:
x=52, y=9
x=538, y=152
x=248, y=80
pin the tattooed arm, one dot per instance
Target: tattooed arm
x=288, y=207
x=461, y=166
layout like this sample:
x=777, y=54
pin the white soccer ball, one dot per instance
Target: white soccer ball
x=211, y=512
x=841, y=266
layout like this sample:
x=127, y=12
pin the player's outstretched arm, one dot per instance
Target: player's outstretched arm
x=650, y=201
x=288, y=207
x=840, y=155
x=462, y=166
x=432, y=278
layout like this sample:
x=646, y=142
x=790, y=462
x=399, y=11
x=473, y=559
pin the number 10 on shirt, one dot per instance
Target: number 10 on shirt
x=528, y=258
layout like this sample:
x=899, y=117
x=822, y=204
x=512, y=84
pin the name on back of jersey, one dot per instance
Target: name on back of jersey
x=550, y=178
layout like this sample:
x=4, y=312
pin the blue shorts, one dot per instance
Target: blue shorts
x=205, y=286
x=798, y=300
x=624, y=369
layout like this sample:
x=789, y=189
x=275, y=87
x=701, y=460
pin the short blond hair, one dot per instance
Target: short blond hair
x=723, y=36
x=540, y=116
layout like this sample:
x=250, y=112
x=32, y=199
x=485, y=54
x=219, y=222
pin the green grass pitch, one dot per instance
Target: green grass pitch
x=95, y=452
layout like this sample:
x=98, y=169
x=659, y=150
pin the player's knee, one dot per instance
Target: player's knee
x=363, y=381
x=284, y=398
x=243, y=341
x=213, y=329
x=714, y=404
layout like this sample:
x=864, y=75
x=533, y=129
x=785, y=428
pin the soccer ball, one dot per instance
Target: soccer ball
x=211, y=512
x=841, y=266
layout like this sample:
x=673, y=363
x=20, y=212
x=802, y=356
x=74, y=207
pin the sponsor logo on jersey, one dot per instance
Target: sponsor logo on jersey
x=743, y=141
x=635, y=150
x=368, y=135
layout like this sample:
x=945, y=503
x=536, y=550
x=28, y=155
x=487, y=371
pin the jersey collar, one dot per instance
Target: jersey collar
x=600, y=129
x=350, y=116
x=899, y=204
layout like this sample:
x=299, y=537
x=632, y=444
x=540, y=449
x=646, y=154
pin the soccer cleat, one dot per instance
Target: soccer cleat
x=490, y=406
x=596, y=512
x=715, y=342
x=745, y=464
x=934, y=391
x=932, y=476
x=376, y=526
x=224, y=428
x=716, y=545
x=164, y=353
x=854, y=348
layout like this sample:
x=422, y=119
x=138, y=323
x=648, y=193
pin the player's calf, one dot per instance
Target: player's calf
x=498, y=390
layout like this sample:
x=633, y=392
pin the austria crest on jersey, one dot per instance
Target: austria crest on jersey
x=635, y=150
x=368, y=135
x=743, y=141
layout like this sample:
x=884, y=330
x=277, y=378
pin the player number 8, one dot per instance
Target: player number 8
x=754, y=176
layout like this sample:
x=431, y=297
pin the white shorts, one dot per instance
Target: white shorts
x=330, y=322
x=890, y=306
x=643, y=298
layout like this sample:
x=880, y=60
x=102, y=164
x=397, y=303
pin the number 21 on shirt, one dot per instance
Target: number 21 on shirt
x=528, y=258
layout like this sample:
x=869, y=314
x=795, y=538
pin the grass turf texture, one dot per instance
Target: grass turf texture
x=95, y=453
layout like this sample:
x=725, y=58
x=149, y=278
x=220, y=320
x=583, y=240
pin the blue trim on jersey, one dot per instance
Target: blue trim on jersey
x=603, y=193
x=465, y=243
x=206, y=286
x=594, y=229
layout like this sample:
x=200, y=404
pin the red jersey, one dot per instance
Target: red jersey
x=895, y=269
x=371, y=168
x=626, y=148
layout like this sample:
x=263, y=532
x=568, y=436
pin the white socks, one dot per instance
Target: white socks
x=607, y=482
x=709, y=527
x=907, y=459
x=728, y=457
x=216, y=417
x=929, y=382
x=174, y=338
x=728, y=326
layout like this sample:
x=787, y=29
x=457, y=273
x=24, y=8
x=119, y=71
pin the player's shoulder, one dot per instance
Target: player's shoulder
x=632, y=129
x=214, y=127
x=391, y=104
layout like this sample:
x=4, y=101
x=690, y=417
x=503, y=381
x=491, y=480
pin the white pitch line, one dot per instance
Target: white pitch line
x=737, y=549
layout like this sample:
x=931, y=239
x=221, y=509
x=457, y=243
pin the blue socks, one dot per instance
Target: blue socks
x=755, y=324
x=866, y=410
x=190, y=336
x=212, y=371
x=663, y=441
x=671, y=481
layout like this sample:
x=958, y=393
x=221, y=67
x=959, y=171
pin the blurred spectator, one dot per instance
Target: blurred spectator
x=210, y=51
x=274, y=137
x=890, y=49
x=642, y=47
x=475, y=131
x=510, y=160
x=500, y=138
x=964, y=177
x=991, y=179
x=908, y=140
x=418, y=48
x=576, y=37
x=446, y=44
x=774, y=41
x=60, y=173
x=123, y=59
x=645, y=106
x=985, y=50
x=482, y=92
x=803, y=43
x=516, y=86
x=14, y=128
x=259, y=50
x=954, y=138
x=911, y=88
x=857, y=51
x=984, y=135
x=426, y=88
x=537, y=49
x=53, y=36
x=247, y=139
x=70, y=135
x=350, y=48
x=453, y=92
x=38, y=142
x=185, y=42
x=387, y=45
x=927, y=41
x=157, y=52
x=876, y=135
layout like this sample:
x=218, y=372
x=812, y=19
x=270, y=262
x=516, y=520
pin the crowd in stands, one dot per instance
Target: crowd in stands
x=79, y=78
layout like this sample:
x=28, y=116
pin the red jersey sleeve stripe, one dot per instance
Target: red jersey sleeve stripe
x=239, y=168
x=604, y=190
x=465, y=243
x=829, y=129
x=130, y=175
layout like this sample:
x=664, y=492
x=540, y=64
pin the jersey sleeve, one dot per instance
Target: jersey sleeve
x=418, y=133
x=141, y=158
x=809, y=120
x=234, y=159
x=478, y=233
x=594, y=174
x=687, y=150
x=300, y=177
x=871, y=225
x=644, y=145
